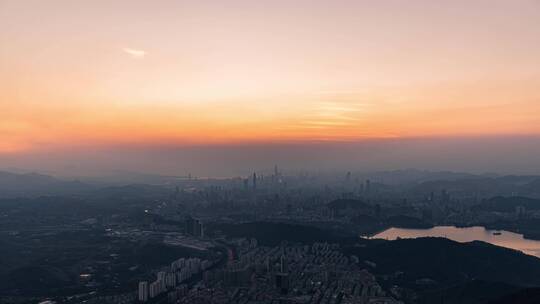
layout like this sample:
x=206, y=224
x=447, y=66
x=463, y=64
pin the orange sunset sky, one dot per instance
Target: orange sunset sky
x=100, y=73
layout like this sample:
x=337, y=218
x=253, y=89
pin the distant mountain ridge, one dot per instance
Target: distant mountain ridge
x=508, y=204
x=483, y=186
x=34, y=184
x=416, y=176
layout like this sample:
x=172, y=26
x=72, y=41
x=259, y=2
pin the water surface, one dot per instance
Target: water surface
x=469, y=234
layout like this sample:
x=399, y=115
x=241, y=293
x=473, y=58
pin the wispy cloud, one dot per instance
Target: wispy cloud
x=134, y=53
x=334, y=115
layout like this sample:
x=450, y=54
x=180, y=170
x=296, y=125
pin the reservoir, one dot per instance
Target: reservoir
x=496, y=237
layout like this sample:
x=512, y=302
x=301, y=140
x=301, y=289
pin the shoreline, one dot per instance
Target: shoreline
x=525, y=235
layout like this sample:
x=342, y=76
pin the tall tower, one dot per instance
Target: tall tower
x=283, y=264
x=254, y=180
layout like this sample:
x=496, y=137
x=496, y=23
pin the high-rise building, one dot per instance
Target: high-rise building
x=170, y=280
x=188, y=225
x=143, y=291
x=198, y=228
x=157, y=287
x=201, y=230
x=161, y=275
x=521, y=211
x=176, y=192
x=194, y=227
x=254, y=180
x=283, y=264
x=154, y=289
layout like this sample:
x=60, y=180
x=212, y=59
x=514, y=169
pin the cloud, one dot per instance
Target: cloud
x=134, y=53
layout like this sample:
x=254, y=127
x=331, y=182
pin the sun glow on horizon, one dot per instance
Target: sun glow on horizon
x=249, y=72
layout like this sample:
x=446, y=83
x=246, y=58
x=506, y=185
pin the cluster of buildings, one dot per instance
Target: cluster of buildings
x=179, y=272
x=319, y=273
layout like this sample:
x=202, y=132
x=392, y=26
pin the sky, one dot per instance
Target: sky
x=144, y=78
